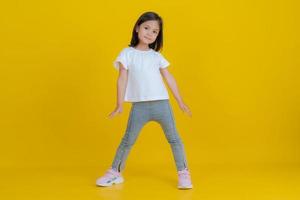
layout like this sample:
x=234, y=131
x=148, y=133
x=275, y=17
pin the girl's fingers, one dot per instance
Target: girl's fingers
x=188, y=111
x=111, y=115
x=115, y=113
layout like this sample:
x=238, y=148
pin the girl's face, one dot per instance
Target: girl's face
x=148, y=31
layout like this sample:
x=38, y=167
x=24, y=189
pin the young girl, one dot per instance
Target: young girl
x=141, y=68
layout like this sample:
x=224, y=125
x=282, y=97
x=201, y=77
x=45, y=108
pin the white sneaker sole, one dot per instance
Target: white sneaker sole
x=185, y=187
x=116, y=181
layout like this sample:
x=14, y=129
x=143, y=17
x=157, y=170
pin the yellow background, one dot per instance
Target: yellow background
x=236, y=64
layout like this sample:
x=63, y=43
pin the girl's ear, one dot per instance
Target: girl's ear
x=137, y=28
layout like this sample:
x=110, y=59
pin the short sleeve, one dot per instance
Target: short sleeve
x=163, y=62
x=123, y=58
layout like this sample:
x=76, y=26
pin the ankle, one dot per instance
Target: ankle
x=183, y=170
x=115, y=171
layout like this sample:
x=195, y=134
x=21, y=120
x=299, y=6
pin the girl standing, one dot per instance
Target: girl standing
x=141, y=68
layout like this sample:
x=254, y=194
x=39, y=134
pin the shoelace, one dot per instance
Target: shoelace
x=184, y=174
x=110, y=174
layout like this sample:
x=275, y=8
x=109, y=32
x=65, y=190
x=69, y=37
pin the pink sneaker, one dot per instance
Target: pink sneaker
x=110, y=177
x=184, y=181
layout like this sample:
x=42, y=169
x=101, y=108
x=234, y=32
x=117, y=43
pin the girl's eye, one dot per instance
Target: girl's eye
x=153, y=31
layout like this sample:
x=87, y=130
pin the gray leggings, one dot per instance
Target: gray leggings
x=141, y=113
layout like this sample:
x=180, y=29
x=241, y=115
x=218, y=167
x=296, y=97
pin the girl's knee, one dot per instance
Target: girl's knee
x=174, y=140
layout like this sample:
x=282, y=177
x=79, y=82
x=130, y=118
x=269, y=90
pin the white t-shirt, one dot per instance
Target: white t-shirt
x=145, y=82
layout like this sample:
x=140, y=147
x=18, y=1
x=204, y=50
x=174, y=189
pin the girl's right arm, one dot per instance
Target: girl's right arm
x=121, y=87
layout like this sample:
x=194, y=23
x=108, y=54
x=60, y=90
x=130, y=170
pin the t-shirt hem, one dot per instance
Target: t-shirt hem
x=146, y=99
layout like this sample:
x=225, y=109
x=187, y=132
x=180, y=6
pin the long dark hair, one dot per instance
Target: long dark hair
x=158, y=43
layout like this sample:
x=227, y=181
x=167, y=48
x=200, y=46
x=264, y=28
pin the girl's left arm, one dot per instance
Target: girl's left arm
x=175, y=91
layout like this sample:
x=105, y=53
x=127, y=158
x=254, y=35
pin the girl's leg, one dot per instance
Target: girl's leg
x=138, y=117
x=163, y=114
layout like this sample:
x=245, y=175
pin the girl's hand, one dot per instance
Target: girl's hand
x=118, y=109
x=185, y=108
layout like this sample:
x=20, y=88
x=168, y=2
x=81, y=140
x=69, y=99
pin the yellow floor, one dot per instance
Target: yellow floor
x=210, y=182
